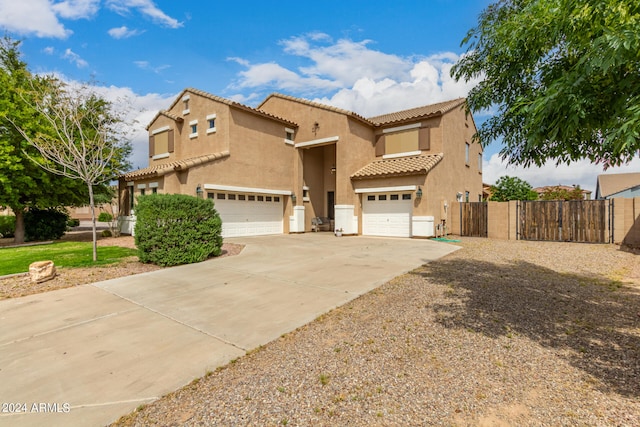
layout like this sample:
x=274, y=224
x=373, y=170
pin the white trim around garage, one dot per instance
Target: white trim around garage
x=247, y=189
x=387, y=189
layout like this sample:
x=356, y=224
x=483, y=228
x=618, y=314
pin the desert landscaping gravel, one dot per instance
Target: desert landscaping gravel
x=499, y=333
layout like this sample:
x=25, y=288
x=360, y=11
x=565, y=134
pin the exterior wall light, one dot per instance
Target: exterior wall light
x=419, y=193
x=199, y=191
x=293, y=197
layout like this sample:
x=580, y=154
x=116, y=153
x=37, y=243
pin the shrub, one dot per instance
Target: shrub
x=105, y=217
x=73, y=222
x=174, y=229
x=7, y=225
x=106, y=233
x=45, y=224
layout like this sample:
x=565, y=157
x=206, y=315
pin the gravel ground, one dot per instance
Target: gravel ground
x=20, y=285
x=496, y=334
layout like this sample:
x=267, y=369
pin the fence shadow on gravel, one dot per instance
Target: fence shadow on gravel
x=592, y=321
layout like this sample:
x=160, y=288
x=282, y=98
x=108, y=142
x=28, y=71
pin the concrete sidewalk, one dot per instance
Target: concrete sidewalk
x=87, y=355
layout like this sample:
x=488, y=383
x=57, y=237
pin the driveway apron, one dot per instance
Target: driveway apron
x=90, y=354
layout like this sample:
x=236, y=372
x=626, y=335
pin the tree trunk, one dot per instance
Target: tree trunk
x=18, y=236
x=93, y=223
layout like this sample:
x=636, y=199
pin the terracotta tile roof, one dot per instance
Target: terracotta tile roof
x=221, y=100
x=317, y=105
x=609, y=184
x=414, y=165
x=414, y=113
x=180, y=165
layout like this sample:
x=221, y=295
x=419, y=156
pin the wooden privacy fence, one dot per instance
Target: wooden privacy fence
x=563, y=221
x=474, y=219
x=589, y=221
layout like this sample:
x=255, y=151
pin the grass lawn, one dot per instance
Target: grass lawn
x=64, y=254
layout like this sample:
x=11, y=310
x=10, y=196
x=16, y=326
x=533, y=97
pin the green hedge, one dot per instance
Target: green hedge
x=174, y=229
x=7, y=225
x=105, y=217
x=45, y=224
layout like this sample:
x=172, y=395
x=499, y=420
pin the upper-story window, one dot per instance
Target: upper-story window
x=194, y=128
x=185, y=104
x=161, y=142
x=466, y=153
x=289, y=135
x=211, y=123
x=407, y=140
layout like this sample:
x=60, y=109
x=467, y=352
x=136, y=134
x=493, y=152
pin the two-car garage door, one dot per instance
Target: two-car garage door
x=249, y=214
x=387, y=214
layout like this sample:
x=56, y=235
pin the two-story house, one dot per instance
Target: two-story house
x=274, y=168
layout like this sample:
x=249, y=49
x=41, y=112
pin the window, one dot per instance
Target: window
x=232, y=197
x=276, y=199
x=406, y=197
x=288, y=135
x=211, y=123
x=268, y=198
x=185, y=104
x=154, y=190
x=221, y=196
x=371, y=198
x=241, y=197
x=394, y=197
x=252, y=198
x=382, y=197
x=210, y=195
x=305, y=194
x=194, y=128
x=261, y=198
x=161, y=143
x=466, y=153
x=402, y=142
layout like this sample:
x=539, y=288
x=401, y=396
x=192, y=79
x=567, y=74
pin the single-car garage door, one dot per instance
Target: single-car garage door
x=386, y=214
x=248, y=214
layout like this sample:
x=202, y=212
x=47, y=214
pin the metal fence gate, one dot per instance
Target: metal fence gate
x=564, y=221
x=474, y=219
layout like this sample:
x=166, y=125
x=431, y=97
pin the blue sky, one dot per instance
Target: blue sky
x=370, y=57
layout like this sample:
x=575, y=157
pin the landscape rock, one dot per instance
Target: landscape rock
x=41, y=271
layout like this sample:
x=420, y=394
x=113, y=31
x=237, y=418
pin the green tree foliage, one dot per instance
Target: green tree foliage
x=24, y=184
x=512, y=188
x=560, y=193
x=174, y=229
x=89, y=139
x=563, y=75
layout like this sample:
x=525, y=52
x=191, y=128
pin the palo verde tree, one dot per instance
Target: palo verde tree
x=511, y=188
x=563, y=75
x=24, y=184
x=89, y=140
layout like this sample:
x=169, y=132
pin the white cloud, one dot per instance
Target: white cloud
x=358, y=78
x=145, y=7
x=36, y=17
x=123, y=32
x=76, y=9
x=582, y=173
x=75, y=58
x=145, y=65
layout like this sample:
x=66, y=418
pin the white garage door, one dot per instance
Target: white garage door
x=248, y=214
x=387, y=214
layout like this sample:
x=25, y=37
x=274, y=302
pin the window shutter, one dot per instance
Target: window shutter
x=423, y=139
x=151, y=145
x=380, y=146
x=170, y=140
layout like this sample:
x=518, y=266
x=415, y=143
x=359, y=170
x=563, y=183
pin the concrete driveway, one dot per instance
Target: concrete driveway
x=87, y=355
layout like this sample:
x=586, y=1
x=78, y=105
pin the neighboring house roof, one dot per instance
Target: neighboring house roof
x=221, y=100
x=317, y=105
x=414, y=165
x=609, y=184
x=180, y=165
x=542, y=190
x=414, y=113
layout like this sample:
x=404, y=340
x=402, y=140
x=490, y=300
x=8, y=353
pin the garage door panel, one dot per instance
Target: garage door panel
x=250, y=218
x=391, y=218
